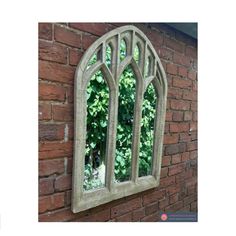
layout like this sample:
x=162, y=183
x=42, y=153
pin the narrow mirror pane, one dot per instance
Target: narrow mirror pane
x=124, y=126
x=123, y=49
x=108, y=55
x=97, y=119
x=147, y=130
x=92, y=61
x=148, y=67
x=136, y=54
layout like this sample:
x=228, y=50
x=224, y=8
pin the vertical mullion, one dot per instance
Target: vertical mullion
x=111, y=138
x=132, y=43
x=136, y=131
x=113, y=117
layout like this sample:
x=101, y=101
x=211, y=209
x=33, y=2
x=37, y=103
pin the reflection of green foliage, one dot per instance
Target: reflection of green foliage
x=136, y=54
x=122, y=49
x=108, y=55
x=147, y=129
x=124, y=127
x=97, y=116
x=90, y=182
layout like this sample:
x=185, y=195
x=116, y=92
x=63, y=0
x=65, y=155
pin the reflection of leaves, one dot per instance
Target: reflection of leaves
x=97, y=116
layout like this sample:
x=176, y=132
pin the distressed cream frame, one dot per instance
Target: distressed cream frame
x=82, y=200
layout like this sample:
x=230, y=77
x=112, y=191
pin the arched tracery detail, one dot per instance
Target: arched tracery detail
x=145, y=75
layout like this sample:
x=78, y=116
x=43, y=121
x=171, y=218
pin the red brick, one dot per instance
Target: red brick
x=94, y=28
x=193, y=206
x=60, y=215
x=173, y=189
x=194, y=106
x=68, y=198
x=46, y=186
x=126, y=207
x=181, y=59
x=180, y=179
x=175, y=93
x=175, y=148
x=191, y=190
x=195, y=85
x=49, y=132
x=185, y=156
x=100, y=216
x=56, y=72
x=151, y=218
x=190, y=95
x=70, y=94
x=45, y=112
x=190, y=51
x=192, y=75
x=52, y=52
x=66, y=36
x=63, y=183
x=171, y=69
x=182, y=71
x=138, y=214
x=194, y=135
x=163, y=203
x=125, y=218
x=185, y=208
x=193, y=126
x=188, y=116
x=51, y=202
x=163, y=64
x=165, y=161
x=153, y=197
x=170, y=139
x=74, y=56
x=71, y=131
x=192, y=146
x=176, y=169
x=169, y=80
x=151, y=208
x=181, y=83
x=174, y=198
x=167, y=127
x=69, y=165
x=156, y=38
x=87, y=40
x=173, y=44
x=176, y=158
x=167, y=181
x=178, y=116
x=193, y=155
x=180, y=105
x=49, y=167
x=164, y=172
x=179, y=127
x=45, y=31
x=189, y=199
x=195, y=116
x=62, y=112
x=185, y=137
x=174, y=207
x=190, y=182
x=168, y=116
x=49, y=150
x=51, y=92
x=165, y=53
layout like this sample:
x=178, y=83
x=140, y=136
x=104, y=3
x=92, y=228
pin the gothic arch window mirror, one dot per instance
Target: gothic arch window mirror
x=98, y=79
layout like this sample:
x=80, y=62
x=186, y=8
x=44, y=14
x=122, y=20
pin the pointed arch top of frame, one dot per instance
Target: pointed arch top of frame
x=135, y=36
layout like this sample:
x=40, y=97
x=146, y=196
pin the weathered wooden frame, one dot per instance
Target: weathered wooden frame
x=82, y=200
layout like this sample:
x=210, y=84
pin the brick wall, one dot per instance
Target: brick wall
x=61, y=46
